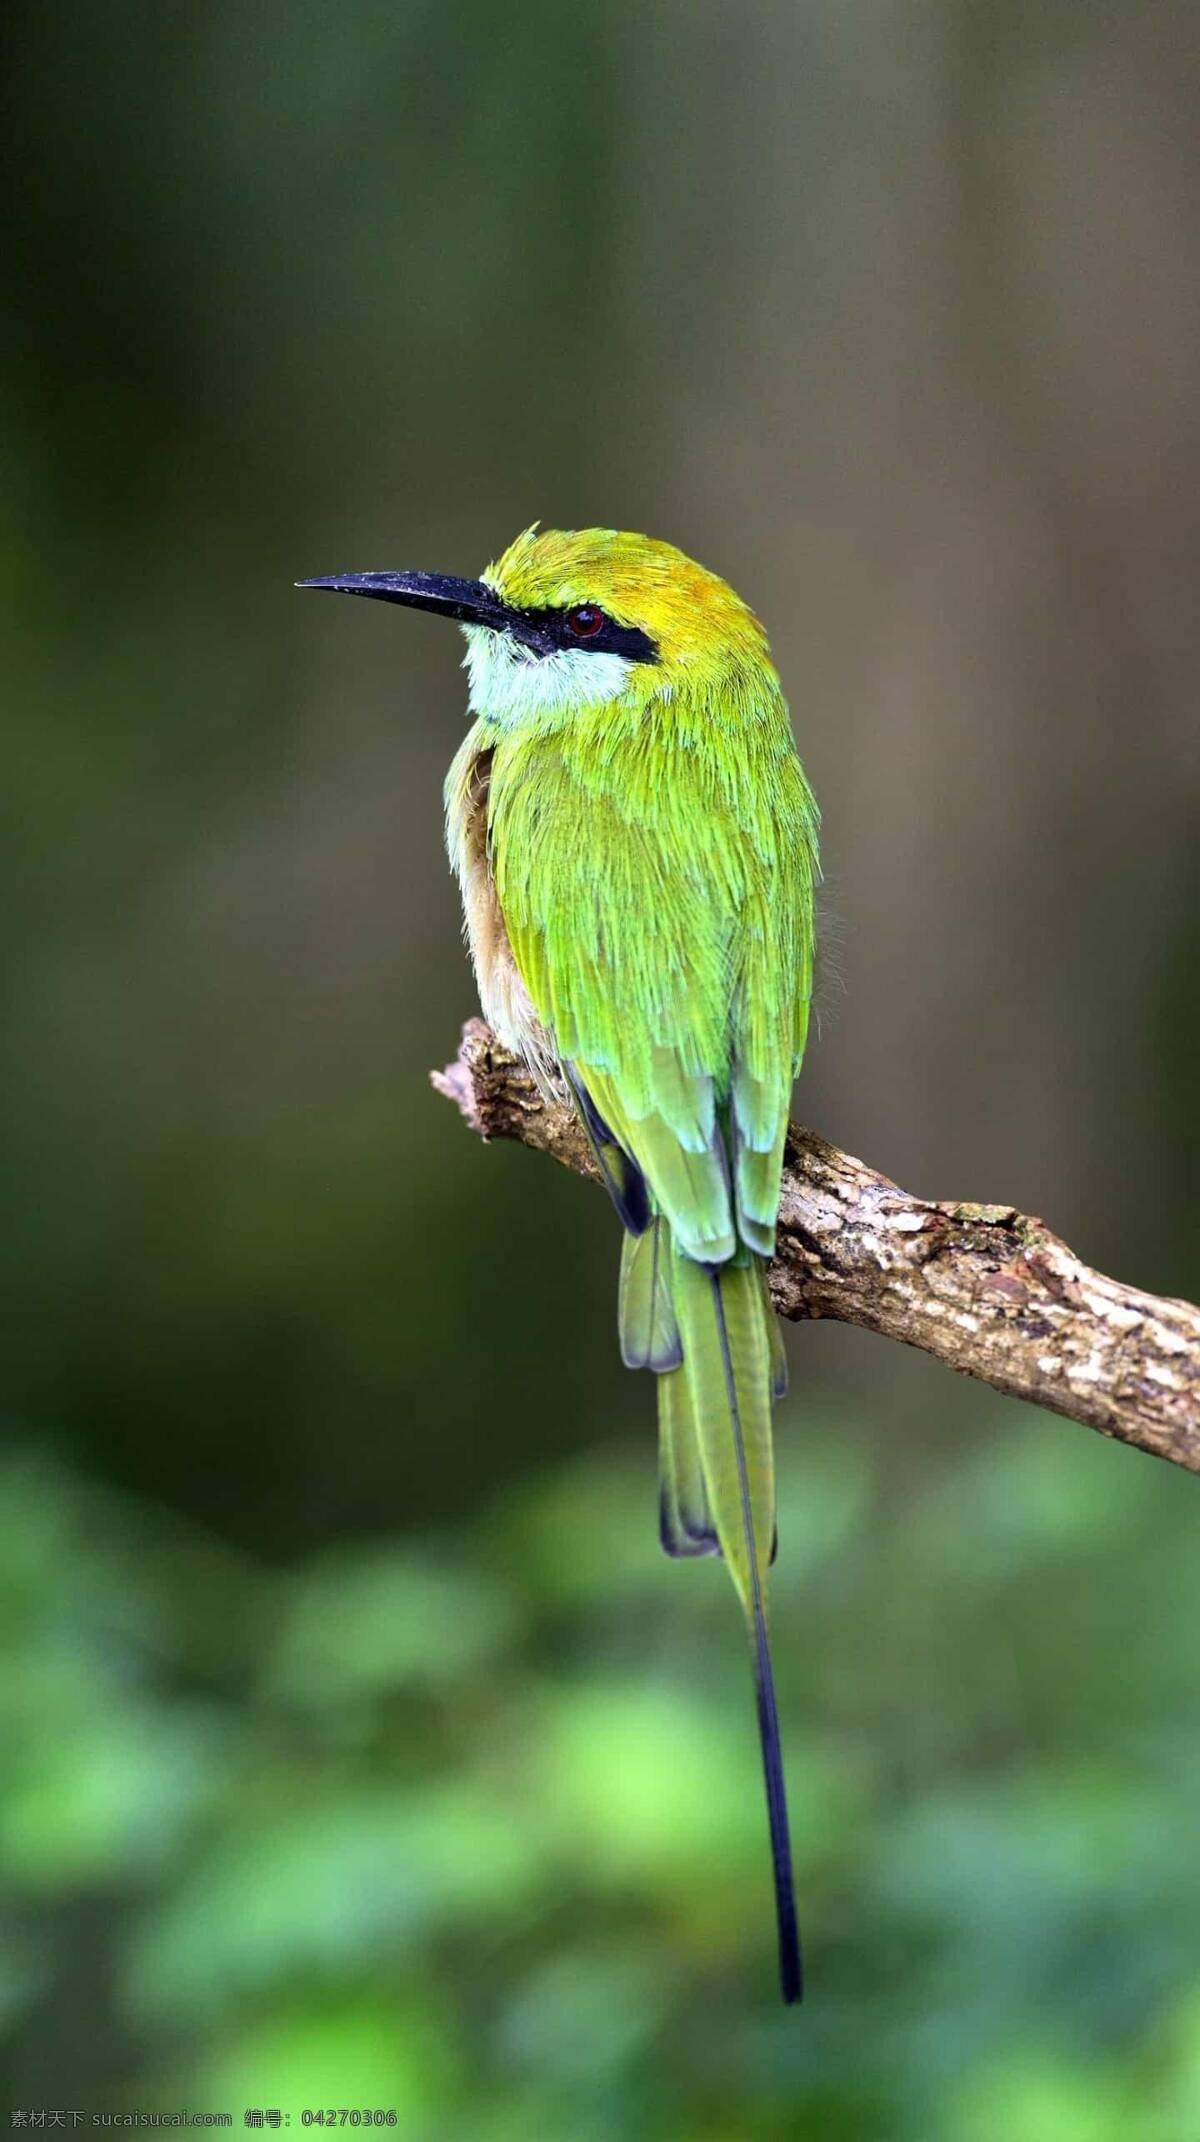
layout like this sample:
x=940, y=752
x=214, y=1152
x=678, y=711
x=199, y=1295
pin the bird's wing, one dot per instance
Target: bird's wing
x=770, y=1029
x=665, y=940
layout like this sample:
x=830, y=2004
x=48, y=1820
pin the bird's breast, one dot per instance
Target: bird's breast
x=503, y=996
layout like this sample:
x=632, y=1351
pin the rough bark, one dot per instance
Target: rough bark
x=982, y=1287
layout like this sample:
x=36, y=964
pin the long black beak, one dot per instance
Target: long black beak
x=467, y=600
x=472, y=602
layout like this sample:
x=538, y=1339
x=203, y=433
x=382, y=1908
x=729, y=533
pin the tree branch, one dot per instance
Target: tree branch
x=985, y=1289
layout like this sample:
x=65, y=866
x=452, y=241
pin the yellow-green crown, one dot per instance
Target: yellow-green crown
x=687, y=611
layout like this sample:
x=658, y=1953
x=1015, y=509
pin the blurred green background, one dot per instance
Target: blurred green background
x=362, y=1749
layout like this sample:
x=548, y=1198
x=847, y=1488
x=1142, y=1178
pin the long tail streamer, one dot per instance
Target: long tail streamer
x=791, y=1969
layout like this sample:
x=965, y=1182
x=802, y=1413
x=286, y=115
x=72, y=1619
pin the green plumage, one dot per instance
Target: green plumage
x=655, y=873
x=637, y=847
x=652, y=849
x=646, y=1317
x=654, y=860
x=685, y=1517
x=738, y=1472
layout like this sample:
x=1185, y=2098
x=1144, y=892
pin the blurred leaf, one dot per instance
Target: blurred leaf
x=363, y=2053
x=359, y=1877
x=26, y=1964
x=373, y=1619
x=824, y=1481
x=586, y=2013
x=1039, y=1490
x=588, y=1530
x=1040, y=2098
x=106, y=1795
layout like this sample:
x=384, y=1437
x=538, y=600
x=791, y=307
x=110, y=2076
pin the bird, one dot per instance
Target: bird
x=636, y=844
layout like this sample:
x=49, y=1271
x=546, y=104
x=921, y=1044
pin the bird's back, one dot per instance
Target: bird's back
x=655, y=875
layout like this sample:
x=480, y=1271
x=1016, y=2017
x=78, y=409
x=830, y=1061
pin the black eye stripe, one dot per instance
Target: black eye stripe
x=546, y=631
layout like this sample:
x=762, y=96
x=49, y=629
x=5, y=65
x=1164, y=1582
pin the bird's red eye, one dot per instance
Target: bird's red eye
x=585, y=620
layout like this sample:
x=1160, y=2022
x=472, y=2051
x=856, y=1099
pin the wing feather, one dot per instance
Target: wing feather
x=658, y=901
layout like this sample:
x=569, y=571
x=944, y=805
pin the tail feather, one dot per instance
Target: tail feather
x=727, y=1348
x=685, y=1522
x=723, y=1327
x=791, y=1963
x=645, y=1311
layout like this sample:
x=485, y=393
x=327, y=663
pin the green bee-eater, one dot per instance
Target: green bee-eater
x=637, y=848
